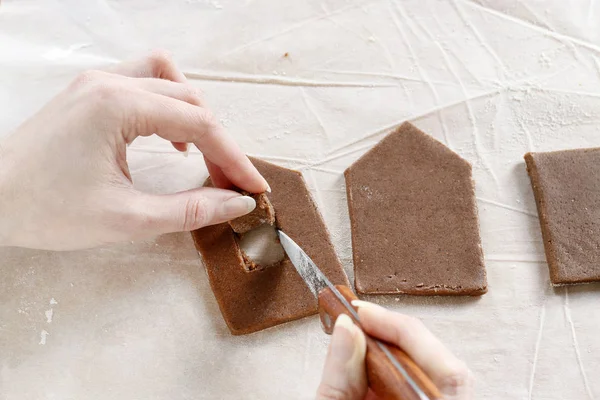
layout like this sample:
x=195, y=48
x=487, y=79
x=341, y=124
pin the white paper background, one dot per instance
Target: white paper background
x=492, y=80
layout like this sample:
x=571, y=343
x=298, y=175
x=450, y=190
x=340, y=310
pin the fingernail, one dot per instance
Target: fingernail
x=342, y=343
x=268, y=188
x=345, y=322
x=238, y=206
x=354, y=354
x=366, y=304
x=187, y=150
x=344, y=370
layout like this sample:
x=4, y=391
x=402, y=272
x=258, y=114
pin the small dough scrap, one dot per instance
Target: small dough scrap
x=253, y=301
x=413, y=218
x=262, y=214
x=566, y=186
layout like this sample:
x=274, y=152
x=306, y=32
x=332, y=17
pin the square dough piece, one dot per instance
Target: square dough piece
x=414, y=219
x=251, y=301
x=566, y=186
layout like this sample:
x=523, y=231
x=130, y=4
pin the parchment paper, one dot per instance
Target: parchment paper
x=492, y=80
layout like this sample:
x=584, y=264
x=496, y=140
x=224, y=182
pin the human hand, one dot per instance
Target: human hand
x=344, y=376
x=64, y=179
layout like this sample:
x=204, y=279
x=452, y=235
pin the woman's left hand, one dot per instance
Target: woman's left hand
x=64, y=178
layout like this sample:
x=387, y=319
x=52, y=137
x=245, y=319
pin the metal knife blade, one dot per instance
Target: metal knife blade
x=312, y=275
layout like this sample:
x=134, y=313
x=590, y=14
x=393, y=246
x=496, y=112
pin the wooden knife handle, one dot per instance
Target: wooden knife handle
x=383, y=377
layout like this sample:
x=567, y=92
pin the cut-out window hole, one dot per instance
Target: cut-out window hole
x=260, y=248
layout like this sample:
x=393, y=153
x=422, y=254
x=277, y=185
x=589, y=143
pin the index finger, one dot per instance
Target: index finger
x=411, y=335
x=160, y=65
x=178, y=121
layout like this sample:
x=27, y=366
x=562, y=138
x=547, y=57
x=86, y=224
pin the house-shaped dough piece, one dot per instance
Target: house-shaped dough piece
x=251, y=301
x=414, y=219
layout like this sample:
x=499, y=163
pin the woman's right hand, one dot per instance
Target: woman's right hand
x=344, y=376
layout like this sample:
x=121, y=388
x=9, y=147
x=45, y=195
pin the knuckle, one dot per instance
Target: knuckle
x=457, y=379
x=135, y=124
x=88, y=77
x=205, y=120
x=209, y=120
x=195, y=214
x=159, y=61
x=105, y=91
x=99, y=92
x=107, y=96
x=192, y=95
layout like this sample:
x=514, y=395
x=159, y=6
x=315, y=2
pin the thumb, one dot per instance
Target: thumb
x=190, y=210
x=344, y=376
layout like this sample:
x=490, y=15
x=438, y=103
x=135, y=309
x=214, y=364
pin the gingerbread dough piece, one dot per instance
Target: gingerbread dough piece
x=566, y=185
x=251, y=301
x=414, y=219
x=262, y=214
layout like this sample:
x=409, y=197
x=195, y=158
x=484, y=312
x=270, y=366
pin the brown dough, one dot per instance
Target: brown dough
x=262, y=214
x=414, y=219
x=566, y=185
x=253, y=301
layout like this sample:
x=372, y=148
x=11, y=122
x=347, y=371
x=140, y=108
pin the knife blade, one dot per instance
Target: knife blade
x=392, y=374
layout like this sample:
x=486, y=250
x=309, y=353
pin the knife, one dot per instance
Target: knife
x=391, y=373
